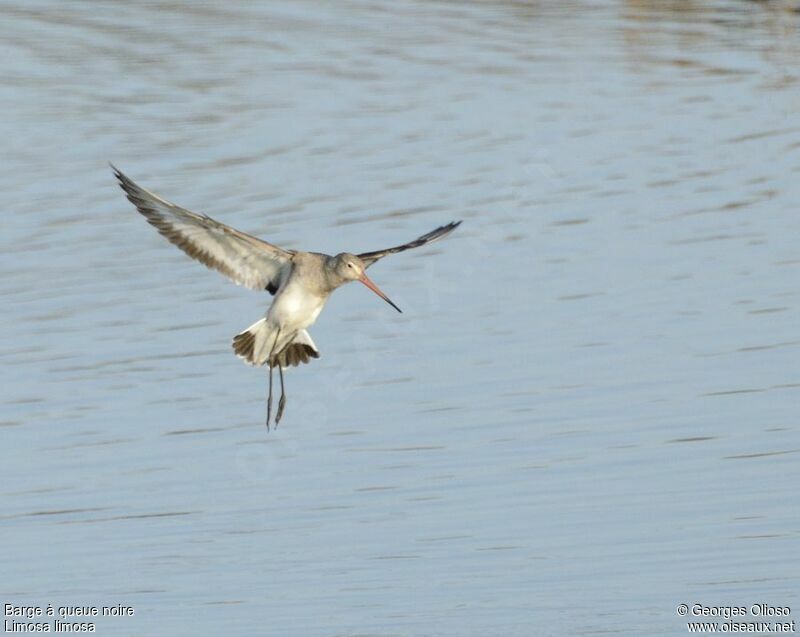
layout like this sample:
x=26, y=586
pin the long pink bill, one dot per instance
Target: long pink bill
x=368, y=282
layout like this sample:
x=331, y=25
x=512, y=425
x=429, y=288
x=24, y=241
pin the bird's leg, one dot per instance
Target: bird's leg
x=269, y=400
x=282, y=401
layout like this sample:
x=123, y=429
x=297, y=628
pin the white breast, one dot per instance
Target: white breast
x=294, y=308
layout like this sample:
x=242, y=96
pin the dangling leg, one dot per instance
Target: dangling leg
x=269, y=362
x=269, y=400
x=282, y=401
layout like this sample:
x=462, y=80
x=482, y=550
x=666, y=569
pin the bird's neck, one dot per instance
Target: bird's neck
x=331, y=280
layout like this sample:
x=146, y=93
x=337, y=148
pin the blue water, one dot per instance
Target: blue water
x=586, y=414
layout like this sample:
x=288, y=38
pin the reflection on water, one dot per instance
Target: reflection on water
x=584, y=416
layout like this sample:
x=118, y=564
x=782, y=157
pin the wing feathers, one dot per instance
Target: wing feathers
x=245, y=259
x=371, y=257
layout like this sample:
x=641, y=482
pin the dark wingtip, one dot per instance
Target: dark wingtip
x=119, y=175
x=449, y=227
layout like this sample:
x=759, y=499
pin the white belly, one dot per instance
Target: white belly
x=294, y=309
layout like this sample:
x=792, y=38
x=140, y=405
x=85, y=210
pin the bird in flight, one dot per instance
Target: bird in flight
x=301, y=282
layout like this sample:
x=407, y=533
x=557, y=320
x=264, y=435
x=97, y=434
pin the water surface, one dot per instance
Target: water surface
x=587, y=413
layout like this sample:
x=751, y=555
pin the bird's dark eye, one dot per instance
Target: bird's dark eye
x=349, y=265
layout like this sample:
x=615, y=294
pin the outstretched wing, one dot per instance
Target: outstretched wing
x=245, y=259
x=371, y=257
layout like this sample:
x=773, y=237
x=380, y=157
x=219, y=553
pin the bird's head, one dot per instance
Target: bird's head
x=348, y=267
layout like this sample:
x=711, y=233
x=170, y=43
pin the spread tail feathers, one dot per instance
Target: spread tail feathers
x=256, y=342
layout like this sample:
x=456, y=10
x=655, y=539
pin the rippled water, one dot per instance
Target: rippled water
x=587, y=413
